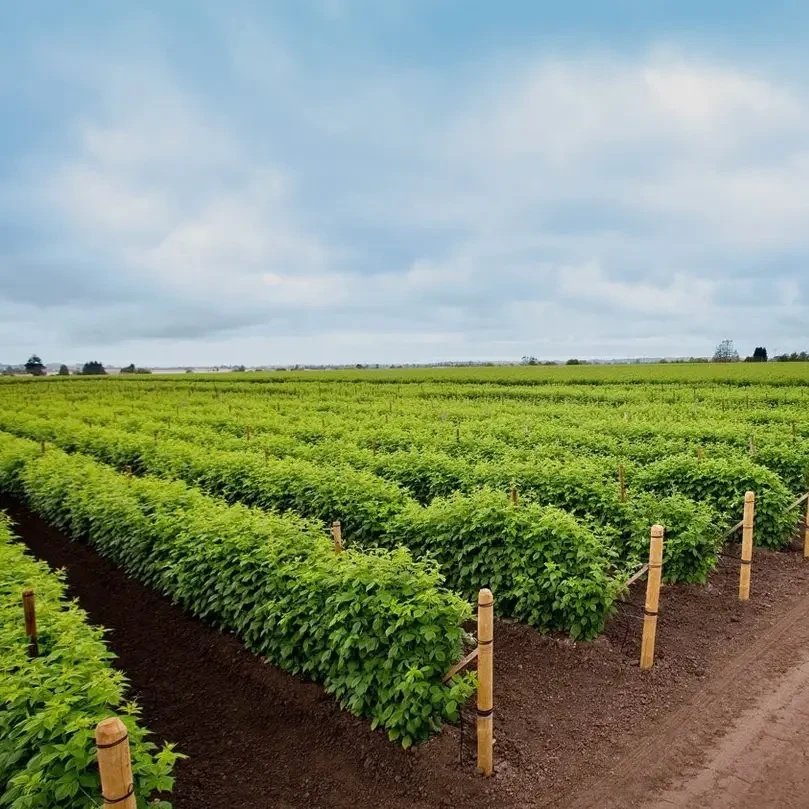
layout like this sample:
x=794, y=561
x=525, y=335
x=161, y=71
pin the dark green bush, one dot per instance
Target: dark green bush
x=545, y=567
x=51, y=704
x=722, y=483
x=377, y=629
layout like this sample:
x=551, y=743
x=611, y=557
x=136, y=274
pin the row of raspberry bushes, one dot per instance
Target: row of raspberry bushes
x=378, y=630
x=52, y=703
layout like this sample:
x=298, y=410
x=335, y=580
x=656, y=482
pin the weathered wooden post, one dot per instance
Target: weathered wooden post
x=114, y=764
x=515, y=497
x=485, y=721
x=42, y=447
x=621, y=483
x=747, y=546
x=337, y=535
x=647, y=646
x=29, y=611
x=700, y=453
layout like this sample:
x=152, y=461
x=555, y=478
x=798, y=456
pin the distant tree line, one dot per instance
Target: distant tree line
x=795, y=356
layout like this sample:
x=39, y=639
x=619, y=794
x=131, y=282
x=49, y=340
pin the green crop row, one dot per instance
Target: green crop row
x=376, y=629
x=535, y=555
x=52, y=703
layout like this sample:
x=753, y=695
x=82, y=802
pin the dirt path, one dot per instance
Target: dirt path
x=760, y=762
x=577, y=725
x=742, y=741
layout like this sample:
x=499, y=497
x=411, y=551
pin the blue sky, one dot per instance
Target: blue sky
x=356, y=181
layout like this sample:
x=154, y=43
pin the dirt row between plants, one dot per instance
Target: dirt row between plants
x=576, y=724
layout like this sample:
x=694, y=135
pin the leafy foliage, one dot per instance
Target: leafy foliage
x=723, y=483
x=51, y=704
x=377, y=629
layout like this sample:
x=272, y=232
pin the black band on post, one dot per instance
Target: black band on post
x=123, y=797
x=113, y=744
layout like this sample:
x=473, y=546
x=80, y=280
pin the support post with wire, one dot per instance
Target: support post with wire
x=647, y=647
x=485, y=720
x=747, y=546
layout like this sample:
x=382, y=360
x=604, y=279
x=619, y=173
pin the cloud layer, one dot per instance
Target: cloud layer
x=266, y=208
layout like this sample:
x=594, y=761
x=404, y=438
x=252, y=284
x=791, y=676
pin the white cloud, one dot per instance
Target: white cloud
x=551, y=202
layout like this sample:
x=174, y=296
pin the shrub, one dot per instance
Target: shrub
x=51, y=704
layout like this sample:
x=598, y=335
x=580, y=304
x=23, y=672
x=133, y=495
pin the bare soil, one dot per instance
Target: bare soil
x=719, y=722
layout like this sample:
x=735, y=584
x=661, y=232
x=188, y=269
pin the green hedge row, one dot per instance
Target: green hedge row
x=52, y=703
x=722, y=483
x=614, y=535
x=378, y=630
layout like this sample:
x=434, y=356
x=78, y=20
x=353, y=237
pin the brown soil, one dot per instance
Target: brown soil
x=576, y=724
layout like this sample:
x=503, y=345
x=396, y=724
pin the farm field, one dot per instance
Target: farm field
x=538, y=483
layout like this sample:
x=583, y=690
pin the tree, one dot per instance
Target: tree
x=64, y=371
x=726, y=352
x=759, y=355
x=35, y=366
x=240, y=368
x=793, y=357
x=529, y=361
x=93, y=368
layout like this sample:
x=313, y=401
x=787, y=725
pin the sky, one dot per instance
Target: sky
x=335, y=181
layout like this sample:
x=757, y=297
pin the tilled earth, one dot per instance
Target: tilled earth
x=576, y=724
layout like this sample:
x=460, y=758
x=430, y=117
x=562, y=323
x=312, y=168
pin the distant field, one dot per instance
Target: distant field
x=489, y=477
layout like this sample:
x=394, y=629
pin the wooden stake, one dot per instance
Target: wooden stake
x=747, y=546
x=752, y=446
x=247, y=433
x=114, y=764
x=515, y=498
x=266, y=455
x=700, y=453
x=621, y=483
x=457, y=433
x=806, y=532
x=29, y=610
x=373, y=447
x=794, y=431
x=337, y=534
x=485, y=723
x=42, y=447
x=647, y=647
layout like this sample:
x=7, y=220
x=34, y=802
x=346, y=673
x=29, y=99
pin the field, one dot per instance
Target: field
x=540, y=483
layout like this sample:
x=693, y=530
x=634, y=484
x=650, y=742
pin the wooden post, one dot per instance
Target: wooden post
x=806, y=530
x=42, y=447
x=114, y=764
x=515, y=498
x=266, y=455
x=700, y=453
x=647, y=647
x=794, y=431
x=621, y=483
x=747, y=546
x=373, y=447
x=752, y=446
x=29, y=610
x=485, y=721
x=457, y=433
x=337, y=534
x=247, y=433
